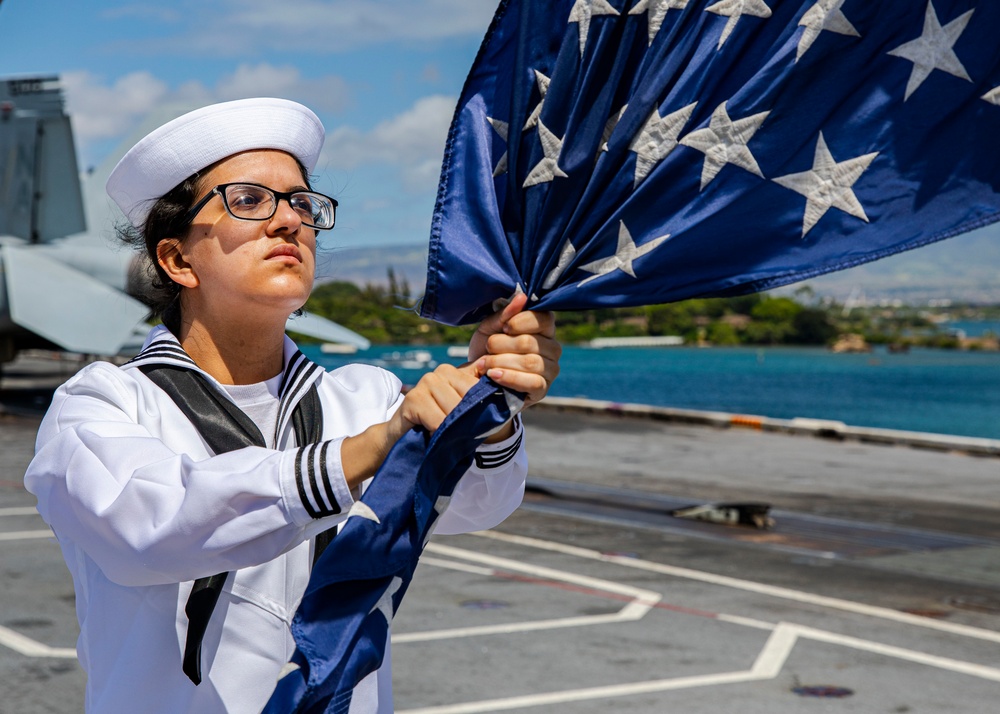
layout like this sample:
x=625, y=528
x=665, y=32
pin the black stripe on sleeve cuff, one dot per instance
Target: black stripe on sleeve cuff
x=312, y=482
x=496, y=459
x=325, y=474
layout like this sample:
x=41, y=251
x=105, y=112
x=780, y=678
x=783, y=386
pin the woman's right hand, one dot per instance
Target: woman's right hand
x=426, y=405
x=434, y=396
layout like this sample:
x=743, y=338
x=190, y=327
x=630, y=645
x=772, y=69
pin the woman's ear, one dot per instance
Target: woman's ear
x=171, y=259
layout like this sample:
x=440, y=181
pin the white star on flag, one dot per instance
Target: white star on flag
x=548, y=168
x=609, y=128
x=828, y=184
x=361, y=509
x=502, y=129
x=440, y=506
x=724, y=141
x=565, y=258
x=824, y=15
x=543, y=89
x=627, y=252
x=583, y=11
x=734, y=10
x=384, y=604
x=993, y=96
x=656, y=11
x=657, y=139
x=933, y=49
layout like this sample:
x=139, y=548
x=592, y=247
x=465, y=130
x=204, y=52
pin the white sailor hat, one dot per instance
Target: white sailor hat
x=189, y=143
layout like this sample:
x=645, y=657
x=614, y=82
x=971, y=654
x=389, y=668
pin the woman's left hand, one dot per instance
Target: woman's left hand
x=517, y=349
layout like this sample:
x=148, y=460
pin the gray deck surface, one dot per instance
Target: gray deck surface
x=881, y=577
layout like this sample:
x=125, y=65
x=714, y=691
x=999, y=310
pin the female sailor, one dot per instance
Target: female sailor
x=187, y=488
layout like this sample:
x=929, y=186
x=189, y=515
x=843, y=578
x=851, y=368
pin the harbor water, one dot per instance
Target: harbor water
x=936, y=391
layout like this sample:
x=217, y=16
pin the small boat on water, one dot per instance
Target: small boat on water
x=337, y=348
x=410, y=359
x=647, y=341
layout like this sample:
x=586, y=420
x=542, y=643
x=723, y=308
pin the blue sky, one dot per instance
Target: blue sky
x=383, y=75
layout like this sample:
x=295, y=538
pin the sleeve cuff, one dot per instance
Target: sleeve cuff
x=319, y=481
x=493, y=456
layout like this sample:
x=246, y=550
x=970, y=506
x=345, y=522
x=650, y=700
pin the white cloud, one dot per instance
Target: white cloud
x=103, y=111
x=412, y=141
x=158, y=13
x=375, y=21
x=235, y=27
x=328, y=93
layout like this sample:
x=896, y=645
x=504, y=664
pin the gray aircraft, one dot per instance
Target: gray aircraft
x=62, y=284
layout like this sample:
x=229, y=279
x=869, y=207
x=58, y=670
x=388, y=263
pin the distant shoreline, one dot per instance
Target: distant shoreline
x=924, y=390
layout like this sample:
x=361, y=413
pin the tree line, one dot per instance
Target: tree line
x=387, y=314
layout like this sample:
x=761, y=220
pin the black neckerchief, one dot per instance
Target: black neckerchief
x=225, y=428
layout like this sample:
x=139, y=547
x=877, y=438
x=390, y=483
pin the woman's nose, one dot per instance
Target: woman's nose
x=286, y=217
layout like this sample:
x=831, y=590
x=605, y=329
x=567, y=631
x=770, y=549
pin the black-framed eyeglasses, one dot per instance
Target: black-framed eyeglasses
x=253, y=202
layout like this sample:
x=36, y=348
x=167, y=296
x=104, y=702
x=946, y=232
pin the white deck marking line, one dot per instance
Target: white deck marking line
x=27, y=535
x=512, y=628
x=643, y=600
x=452, y=565
x=745, y=621
x=641, y=609
x=28, y=511
x=768, y=664
x=953, y=665
x=30, y=648
x=543, y=572
x=776, y=651
x=749, y=586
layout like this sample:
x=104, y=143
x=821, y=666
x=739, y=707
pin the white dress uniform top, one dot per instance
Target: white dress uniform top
x=141, y=508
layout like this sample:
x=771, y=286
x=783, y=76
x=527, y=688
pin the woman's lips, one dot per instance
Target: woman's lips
x=285, y=252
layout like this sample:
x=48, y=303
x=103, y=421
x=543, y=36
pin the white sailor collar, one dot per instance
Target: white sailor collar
x=298, y=374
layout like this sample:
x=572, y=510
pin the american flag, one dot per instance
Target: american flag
x=342, y=624
x=628, y=152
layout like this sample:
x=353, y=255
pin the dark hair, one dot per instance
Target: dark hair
x=166, y=219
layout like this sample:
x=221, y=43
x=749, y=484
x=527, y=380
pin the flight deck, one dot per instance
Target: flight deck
x=876, y=587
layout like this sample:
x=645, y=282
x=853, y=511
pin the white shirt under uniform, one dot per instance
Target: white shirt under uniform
x=141, y=508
